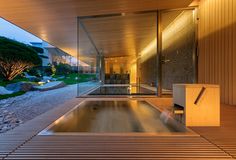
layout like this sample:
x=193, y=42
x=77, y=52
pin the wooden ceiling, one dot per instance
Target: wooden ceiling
x=119, y=36
x=55, y=21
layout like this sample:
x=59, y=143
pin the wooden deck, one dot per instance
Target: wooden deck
x=224, y=136
x=117, y=147
x=24, y=143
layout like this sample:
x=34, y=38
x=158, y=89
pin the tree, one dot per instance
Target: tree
x=15, y=57
x=38, y=49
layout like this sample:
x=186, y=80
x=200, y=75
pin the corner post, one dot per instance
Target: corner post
x=159, y=59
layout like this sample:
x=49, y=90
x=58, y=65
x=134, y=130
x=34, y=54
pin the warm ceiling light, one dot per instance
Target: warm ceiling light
x=44, y=36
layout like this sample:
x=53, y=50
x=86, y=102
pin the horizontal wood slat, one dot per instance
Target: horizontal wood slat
x=117, y=147
x=55, y=21
x=214, y=142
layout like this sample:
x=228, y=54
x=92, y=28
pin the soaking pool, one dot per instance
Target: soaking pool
x=122, y=116
x=122, y=90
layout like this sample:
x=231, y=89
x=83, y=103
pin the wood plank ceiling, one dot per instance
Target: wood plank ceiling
x=55, y=21
x=127, y=35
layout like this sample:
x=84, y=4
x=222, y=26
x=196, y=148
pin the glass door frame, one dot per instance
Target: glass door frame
x=159, y=42
x=79, y=20
x=159, y=46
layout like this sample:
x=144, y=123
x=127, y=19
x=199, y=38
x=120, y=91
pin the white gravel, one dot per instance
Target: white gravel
x=26, y=107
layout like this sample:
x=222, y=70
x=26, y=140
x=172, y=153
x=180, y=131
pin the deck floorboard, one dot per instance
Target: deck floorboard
x=25, y=143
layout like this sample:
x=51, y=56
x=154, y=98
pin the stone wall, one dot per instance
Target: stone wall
x=178, y=40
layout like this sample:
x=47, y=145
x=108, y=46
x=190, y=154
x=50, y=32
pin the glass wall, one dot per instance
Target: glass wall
x=89, y=64
x=122, y=48
x=119, y=52
x=178, y=48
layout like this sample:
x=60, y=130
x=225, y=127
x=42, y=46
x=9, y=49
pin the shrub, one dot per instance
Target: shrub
x=63, y=69
x=49, y=70
x=15, y=57
x=35, y=71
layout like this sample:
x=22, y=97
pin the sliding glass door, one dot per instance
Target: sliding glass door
x=178, y=48
x=121, y=50
x=137, y=53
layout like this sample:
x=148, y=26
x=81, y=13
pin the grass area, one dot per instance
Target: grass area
x=69, y=79
x=72, y=78
x=17, y=79
x=5, y=96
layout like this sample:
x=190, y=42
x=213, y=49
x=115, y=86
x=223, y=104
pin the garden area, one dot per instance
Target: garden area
x=21, y=71
x=28, y=89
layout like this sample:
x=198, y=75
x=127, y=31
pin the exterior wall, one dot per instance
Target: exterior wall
x=57, y=56
x=217, y=46
x=45, y=61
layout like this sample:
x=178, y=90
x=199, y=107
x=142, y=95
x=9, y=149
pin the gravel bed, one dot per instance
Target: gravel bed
x=17, y=110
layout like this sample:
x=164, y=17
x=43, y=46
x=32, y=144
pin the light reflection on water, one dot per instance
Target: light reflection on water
x=112, y=117
x=122, y=90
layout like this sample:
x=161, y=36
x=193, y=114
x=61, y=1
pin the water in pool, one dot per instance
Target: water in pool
x=111, y=117
x=122, y=90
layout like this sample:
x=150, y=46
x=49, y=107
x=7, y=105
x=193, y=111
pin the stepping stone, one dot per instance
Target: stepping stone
x=50, y=86
x=3, y=91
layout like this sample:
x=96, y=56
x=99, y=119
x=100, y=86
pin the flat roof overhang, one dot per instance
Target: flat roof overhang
x=55, y=21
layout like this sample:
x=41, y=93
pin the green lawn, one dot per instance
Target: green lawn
x=72, y=78
x=11, y=95
x=69, y=79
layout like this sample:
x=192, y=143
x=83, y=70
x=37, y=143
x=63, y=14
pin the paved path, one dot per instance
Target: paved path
x=32, y=104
